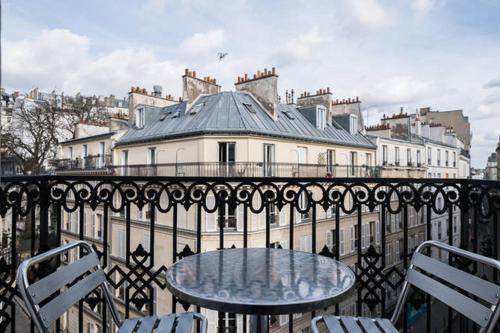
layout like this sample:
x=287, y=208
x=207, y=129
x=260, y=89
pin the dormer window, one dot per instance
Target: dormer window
x=320, y=118
x=353, y=124
x=139, y=117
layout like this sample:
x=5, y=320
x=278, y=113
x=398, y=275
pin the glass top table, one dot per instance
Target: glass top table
x=259, y=281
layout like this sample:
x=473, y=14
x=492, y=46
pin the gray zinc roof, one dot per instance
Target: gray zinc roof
x=227, y=113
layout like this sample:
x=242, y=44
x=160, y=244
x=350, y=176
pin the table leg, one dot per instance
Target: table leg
x=259, y=324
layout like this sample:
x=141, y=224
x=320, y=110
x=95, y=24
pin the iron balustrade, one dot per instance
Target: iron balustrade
x=90, y=162
x=244, y=169
x=254, y=211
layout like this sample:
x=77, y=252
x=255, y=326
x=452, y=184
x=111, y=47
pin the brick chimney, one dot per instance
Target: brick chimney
x=264, y=87
x=321, y=97
x=192, y=86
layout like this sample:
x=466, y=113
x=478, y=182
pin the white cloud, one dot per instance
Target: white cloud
x=301, y=48
x=397, y=90
x=423, y=6
x=202, y=44
x=45, y=60
x=62, y=60
x=371, y=14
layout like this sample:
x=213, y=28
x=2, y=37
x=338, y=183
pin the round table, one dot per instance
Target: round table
x=259, y=281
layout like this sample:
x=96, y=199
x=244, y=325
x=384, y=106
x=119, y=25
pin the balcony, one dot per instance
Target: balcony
x=90, y=162
x=244, y=169
x=189, y=214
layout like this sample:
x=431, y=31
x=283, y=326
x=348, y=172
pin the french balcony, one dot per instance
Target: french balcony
x=140, y=225
x=245, y=169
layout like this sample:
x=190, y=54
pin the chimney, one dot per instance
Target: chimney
x=192, y=87
x=321, y=97
x=264, y=87
x=157, y=91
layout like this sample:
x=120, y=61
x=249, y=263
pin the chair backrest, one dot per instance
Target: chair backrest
x=473, y=297
x=51, y=296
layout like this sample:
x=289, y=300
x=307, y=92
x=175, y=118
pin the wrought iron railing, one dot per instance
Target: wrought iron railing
x=245, y=169
x=90, y=162
x=144, y=224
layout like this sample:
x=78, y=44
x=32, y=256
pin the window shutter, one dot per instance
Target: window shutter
x=239, y=217
x=329, y=240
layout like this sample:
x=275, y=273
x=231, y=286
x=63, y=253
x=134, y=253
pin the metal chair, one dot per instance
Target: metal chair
x=428, y=275
x=48, y=298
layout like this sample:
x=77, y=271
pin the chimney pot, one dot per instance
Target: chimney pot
x=194, y=74
x=186, y=71
x=273, y=71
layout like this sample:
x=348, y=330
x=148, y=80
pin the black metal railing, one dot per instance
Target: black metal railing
x=144, y=224
x=245, y=169
x=90, y=162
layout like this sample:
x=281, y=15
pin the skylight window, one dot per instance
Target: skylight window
x=249, y=107
x=196, y=108
x=163, y=116
x=289, y=115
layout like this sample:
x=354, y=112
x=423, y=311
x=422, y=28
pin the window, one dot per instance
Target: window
x=228, y=212
x=396, y=155
x=227, y=157
x=354, y=238
x=368, y=159
x=269, y=165
x=102, y=149
x=306, y=243
x=121, y=249
x=372, y=233
x=124, y=163
x=354, y=162
x=341, y=242
x=151, y=156
x=384, y=155
x=408, y=157
x=439, y=157
x=446, y=158
x=330, y=160
x=353, y=123
x=320, y=117
x=429, y=156
x=454, y=159
x=139, y=117
x=84, y=153
x=97, y=226
x=419, y=158
x=70, y=153
x=303, y=204
x=331, y=240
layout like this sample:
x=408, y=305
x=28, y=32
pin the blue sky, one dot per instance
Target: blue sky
x=410, y=53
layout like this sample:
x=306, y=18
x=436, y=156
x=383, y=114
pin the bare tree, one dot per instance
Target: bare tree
x=33, y=135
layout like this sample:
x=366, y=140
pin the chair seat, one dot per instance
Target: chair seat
x=182, y=322
x=358, y=325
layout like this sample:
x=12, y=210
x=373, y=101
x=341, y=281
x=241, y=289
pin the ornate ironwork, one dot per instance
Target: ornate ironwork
x=478, y=202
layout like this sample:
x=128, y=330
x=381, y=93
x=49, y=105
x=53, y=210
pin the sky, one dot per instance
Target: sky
x=444, y=54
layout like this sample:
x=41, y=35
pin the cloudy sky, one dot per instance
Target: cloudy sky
x=408, y=53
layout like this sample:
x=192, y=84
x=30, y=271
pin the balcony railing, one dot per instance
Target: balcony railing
x=91, y=162
x=349, y=219
x=245, y=169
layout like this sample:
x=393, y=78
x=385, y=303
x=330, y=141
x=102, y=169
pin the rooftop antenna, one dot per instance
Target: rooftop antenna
x=222, y=55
